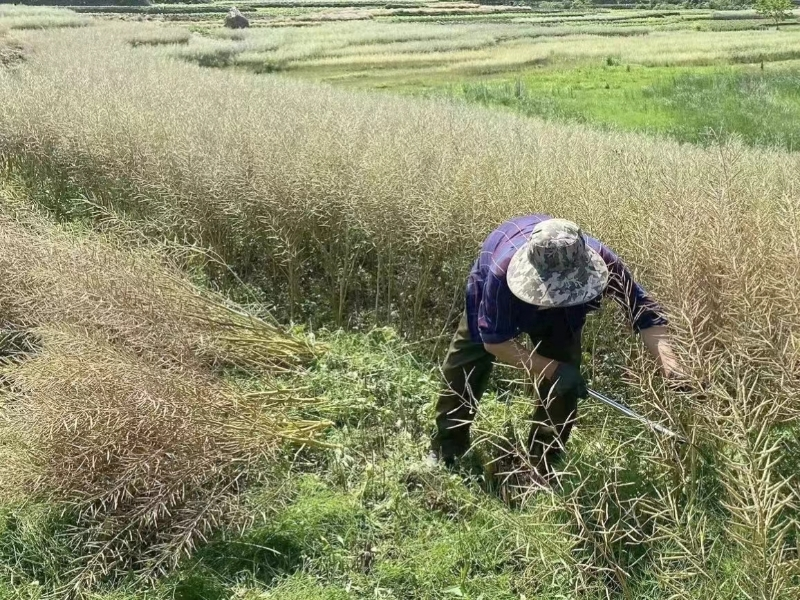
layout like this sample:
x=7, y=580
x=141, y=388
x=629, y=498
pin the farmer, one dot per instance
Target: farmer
x=539, y=276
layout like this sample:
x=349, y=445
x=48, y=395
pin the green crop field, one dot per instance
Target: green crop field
x=231, y=261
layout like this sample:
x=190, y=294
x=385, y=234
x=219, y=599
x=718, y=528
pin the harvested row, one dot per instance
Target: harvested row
x=53, y=278
x=112, y=406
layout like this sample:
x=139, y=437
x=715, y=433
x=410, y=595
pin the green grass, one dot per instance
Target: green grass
x=370, y=517
x=32, y=551
x=762, y=108
x=689, y=104
x=610, y=69
x=367, y=519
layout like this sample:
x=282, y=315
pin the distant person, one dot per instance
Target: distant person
x=539, y=276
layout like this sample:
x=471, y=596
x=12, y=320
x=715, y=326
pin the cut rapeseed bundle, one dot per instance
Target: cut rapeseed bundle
x=112, y=408
x=148, y=459
x=51, y=278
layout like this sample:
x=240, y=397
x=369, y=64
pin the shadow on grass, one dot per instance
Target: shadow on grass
x=321, y=525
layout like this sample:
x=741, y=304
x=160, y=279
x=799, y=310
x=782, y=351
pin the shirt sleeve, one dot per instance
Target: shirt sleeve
x=496, y=312
x=641, y=310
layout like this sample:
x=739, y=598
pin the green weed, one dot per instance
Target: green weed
x=763, y=108
x=34, y=552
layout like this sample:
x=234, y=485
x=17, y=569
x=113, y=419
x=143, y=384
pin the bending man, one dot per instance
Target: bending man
x=539, y=276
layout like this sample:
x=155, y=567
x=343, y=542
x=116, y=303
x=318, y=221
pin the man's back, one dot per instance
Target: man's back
x=495, y=315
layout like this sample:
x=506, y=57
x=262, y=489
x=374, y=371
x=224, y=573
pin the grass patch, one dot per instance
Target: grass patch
x=763, y=108
x=160, y=37
x=35, y=17
x=760, y=107
x=33, y=548
x=369, y=518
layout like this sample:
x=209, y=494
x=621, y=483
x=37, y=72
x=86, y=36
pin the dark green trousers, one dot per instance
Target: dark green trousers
x=467, y=368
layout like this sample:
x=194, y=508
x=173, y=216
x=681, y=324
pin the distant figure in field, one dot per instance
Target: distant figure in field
x=539, y=276
x=235, y=19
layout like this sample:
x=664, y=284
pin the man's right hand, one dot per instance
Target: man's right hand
x=568, y=382
x=567, y=378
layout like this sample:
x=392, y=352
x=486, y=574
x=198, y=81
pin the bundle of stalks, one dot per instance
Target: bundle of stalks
x=113, y=409
x=150, y=459
x=52, y=278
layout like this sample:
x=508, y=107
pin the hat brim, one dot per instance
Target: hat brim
x=555, y=289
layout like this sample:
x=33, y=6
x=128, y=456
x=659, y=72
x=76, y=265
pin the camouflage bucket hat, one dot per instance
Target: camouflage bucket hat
x=556, y=268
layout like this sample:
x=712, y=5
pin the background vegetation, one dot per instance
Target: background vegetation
x=163, y=437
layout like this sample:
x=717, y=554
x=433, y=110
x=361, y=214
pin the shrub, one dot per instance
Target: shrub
x=777, y=10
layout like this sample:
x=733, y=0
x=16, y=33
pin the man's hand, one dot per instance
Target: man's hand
x=567, y=379
x=516, y=355
x=568, y=382
x=657, y=341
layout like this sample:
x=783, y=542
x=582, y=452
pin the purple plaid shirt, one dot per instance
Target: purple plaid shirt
x=495, y=315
